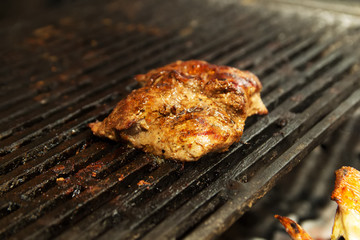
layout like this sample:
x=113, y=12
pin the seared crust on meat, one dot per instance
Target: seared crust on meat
x=347, y=219
x=347, y=195
x=185, y=110
x=295, y=231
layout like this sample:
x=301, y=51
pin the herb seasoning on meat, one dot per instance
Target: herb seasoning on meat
x=185, y=110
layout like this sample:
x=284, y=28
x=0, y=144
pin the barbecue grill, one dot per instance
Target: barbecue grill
x=69, y=66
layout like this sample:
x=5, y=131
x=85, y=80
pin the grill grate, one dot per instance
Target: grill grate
x=59, y=180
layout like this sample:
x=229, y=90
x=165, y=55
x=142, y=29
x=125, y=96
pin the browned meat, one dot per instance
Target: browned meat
x=295, y=231
x=347, y=218
x=347, y=195
x=185, y=110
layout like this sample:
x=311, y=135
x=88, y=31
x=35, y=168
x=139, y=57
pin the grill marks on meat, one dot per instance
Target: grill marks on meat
x=185, y=110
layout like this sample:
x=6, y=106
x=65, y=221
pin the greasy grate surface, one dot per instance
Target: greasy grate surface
x=304, y=193
x=59, y=180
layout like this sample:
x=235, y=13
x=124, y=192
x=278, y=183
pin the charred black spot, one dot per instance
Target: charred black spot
x=345, y=171
x=295, y=227
x=281, y=122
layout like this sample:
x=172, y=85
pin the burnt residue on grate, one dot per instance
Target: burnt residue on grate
x=58, y=180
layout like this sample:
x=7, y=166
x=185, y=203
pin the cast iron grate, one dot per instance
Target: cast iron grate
x=57, y=180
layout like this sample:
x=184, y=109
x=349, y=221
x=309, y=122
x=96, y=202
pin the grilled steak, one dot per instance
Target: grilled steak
x=185, y=110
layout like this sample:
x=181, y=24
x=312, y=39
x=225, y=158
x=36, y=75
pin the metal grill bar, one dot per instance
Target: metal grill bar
x=85, y=69
x=105, y=72
x=265, y=176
